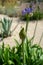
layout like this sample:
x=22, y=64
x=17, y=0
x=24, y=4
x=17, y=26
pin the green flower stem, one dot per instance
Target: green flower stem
x=27, y=24
x=41, y=39
x=35, y=31
x=24, y=44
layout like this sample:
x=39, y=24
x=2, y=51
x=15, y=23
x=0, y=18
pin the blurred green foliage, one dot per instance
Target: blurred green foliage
x=14, y=56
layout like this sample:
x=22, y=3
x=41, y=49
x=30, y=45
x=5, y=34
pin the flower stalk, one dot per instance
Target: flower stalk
x=24, y=44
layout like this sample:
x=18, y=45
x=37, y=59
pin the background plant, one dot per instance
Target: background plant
x=6, y=25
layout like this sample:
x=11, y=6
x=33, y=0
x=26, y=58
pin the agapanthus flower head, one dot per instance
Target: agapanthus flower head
x=27, y=11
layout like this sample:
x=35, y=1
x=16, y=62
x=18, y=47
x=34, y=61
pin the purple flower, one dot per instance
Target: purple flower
x=27, y=11
x=24, y=12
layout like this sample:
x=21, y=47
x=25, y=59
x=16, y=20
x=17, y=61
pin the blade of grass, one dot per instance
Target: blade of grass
x=40, y=38
x=35, y=31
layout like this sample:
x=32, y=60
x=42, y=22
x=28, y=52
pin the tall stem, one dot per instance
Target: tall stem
x=24, y=60
x=41, y=39
x=26, y=26
x=35, y=31
x=24, y=43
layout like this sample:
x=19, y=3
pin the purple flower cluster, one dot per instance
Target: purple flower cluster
x=26, y=11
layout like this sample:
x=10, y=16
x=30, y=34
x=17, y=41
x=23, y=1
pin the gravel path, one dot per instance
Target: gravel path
x=30, y=32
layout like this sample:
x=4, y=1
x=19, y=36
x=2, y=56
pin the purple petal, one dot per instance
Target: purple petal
x=27, y=11
x=24, y=12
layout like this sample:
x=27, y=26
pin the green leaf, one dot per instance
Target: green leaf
x=17, y=43
x=10, y=62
